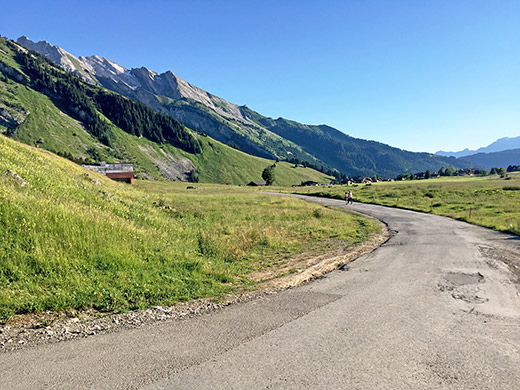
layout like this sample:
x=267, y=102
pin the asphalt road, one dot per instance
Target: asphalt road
x=433, y=308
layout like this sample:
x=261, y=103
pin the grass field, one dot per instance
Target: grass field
x=489, y=201
x=72, y=239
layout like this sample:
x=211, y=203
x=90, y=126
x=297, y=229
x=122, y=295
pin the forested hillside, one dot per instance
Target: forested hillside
x=501, y=159
x=356, y=156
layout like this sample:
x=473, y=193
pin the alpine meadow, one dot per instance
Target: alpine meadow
x=74, y=239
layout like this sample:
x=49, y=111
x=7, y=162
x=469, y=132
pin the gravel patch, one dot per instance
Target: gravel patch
x=51, y=327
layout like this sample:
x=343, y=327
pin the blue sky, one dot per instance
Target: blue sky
x=418, y=75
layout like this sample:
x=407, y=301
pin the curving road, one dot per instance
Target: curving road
x=435, y=307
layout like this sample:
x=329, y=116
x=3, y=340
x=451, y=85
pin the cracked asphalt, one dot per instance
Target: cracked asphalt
x=435, y=307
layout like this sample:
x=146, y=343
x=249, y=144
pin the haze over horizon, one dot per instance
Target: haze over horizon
x=418, y=76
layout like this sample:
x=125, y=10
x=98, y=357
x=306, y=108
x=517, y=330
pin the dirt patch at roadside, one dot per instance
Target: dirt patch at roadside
x=301, y=269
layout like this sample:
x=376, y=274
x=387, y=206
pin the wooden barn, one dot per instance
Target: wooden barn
x=120, y=172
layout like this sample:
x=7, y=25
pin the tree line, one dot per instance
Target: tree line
x=451, y=171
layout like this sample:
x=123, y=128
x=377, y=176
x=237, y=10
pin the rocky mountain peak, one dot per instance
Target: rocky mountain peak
x=55, y=53
x=102, y=67
x=97, y=69
x=145, y=72
x=60, y=57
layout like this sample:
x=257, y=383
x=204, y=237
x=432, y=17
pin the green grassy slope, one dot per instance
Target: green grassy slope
x=73, y=239
x=493, y=201
x=49, y=128
x=45, y=124
x=221, y=164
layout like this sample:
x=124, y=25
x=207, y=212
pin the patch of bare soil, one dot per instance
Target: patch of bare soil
x=27, y=330
x=303, y=268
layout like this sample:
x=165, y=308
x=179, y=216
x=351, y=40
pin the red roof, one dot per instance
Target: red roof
x=120, y=175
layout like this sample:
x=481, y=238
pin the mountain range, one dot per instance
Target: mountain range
x=505, y=143
x=503, y=158
x=501, y=153
x=45, y=106
x=319, y=146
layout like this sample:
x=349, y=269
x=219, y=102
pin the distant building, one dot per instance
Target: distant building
x=119, y=172
x=257, y=183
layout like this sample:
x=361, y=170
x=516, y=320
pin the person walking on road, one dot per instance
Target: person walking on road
x=348, y=197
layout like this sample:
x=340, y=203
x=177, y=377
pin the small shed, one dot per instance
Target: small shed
x=119, y=172
x=257, y=183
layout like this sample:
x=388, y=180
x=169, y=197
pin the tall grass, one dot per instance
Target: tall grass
x=73, y=239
